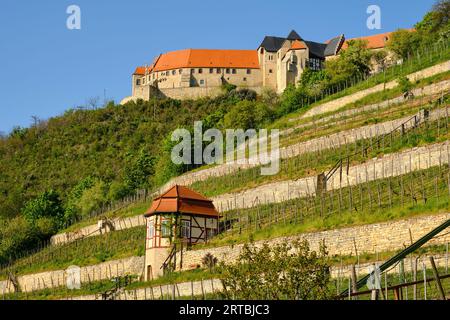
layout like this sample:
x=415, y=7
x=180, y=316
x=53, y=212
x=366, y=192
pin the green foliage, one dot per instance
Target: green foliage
x=357, y=57
x=228, y=87
x=291, y=100
x=435, y=25
x=403, y=43
x=165, y=169
x=248, y=115
x=405, y=85
x=72, y=211
x=46, y=205
x=209, y=261
x=278, y=272
x=139, y=171
x=93, y=198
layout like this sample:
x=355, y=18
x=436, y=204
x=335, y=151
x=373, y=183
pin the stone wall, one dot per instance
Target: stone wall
x=374, y=238
x=390, y=165
x=197, y=92
x=54, y=279
x=341, y=102
x=198, y=288
x=371, y=239
x=98, y=229
x=430, y=90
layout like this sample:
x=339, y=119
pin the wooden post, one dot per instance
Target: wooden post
x=438, y=280
x=354, y=287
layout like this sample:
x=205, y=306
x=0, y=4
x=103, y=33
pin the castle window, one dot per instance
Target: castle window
x=202, y=82
x=192, y=71
x=211, y=70
x=143, y=81
x=138, y=82
x=228, y=71
x=173, y=72
x=218, y=70
x=245, y=79
x=262, y=50
x=180, y=71
x=200, y=70
x=249, y=71
x=234, y=71
x=270, y=71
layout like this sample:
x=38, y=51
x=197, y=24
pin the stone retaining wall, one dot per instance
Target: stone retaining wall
x=390, y=165
x=341, y=102
x=371, y=239
x=58, y=278
x=387, y=236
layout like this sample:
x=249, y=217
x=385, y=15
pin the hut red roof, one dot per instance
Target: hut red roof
x=180, y=199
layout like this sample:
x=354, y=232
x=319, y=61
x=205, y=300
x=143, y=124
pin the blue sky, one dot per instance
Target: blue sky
x=46, y=69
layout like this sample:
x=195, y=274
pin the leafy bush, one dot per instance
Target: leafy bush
x=93, y=198
x=46, y=205
x=283, y=271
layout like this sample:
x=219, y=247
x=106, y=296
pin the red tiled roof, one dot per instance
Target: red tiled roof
x=377, y=41
x=207, y=58
x=182, y=200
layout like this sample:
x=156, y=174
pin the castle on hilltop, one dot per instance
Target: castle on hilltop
x=277, y=63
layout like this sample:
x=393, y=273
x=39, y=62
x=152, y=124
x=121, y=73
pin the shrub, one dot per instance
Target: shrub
x=283, y=271
x=93, y=198
x=209, y=261
x=46, y=205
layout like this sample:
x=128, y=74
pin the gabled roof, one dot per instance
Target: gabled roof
x=293, y=35
x=182, y=200
x=272, y=44
x=334, y=45
x=205, y=58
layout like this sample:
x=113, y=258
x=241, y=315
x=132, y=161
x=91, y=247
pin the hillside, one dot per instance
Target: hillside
x=381, y=140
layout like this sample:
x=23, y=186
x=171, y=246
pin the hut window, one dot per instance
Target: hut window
x=166, y=229
x=151, y=230
x=186, y=229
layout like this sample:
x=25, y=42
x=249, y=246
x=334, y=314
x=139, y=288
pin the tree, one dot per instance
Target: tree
x=241, y=116
x=277, y=272
x=93, y=198
x=380, y=59
x=139, y=170
x=435, y=25
x=46, y=205
x=93, y=102
x=403, y=43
